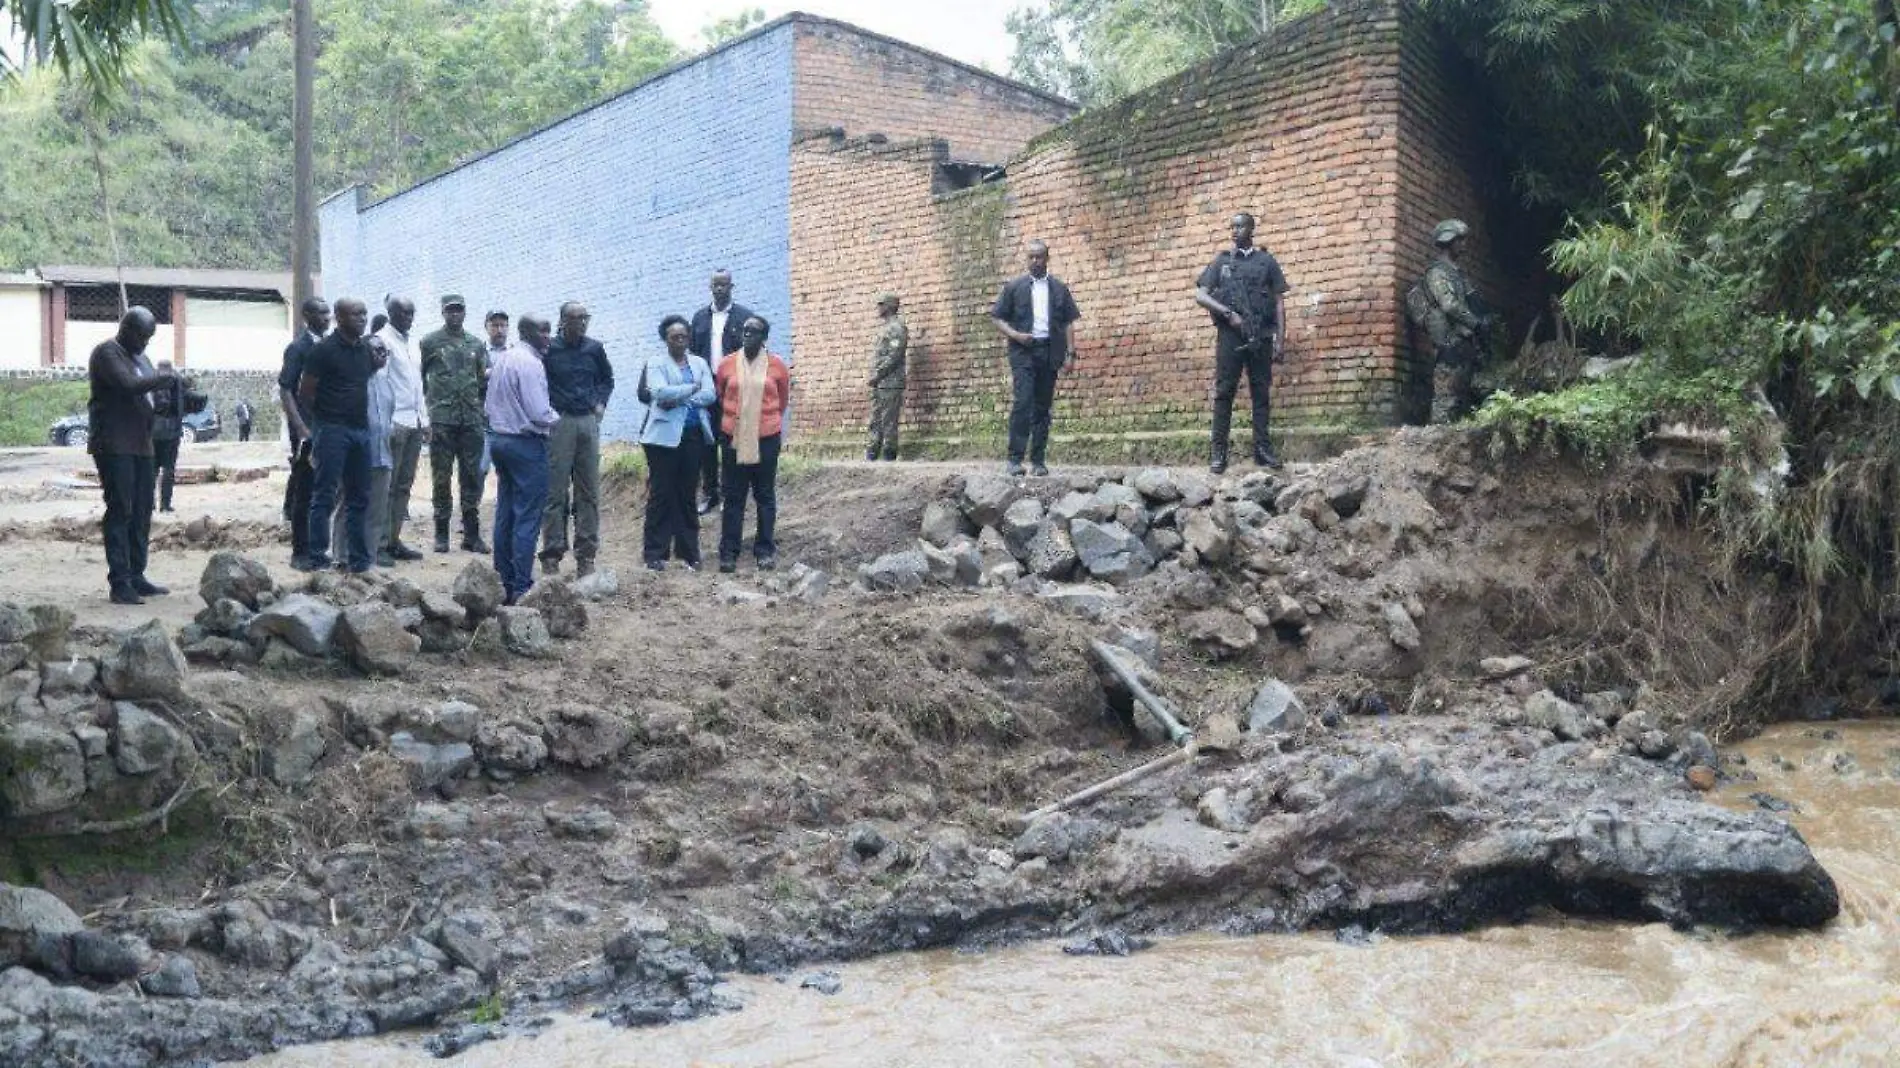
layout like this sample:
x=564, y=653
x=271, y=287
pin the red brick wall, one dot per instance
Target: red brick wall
x=865, y=84
x=1304, y=128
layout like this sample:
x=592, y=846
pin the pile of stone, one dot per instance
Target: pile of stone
x=377, y=625
x=81, y=736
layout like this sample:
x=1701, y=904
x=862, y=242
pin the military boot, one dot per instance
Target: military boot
x=1263, y=456
x=472, y=533
x=1217, y=463
x=442, y=534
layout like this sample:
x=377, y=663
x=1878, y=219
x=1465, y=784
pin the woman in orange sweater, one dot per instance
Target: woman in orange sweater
x=754, y=387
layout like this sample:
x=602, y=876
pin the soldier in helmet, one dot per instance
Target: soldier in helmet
x=1453, y=321
x=887, y=379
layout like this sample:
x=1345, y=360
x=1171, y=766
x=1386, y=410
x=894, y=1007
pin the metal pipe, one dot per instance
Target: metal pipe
x=1163, y=714
x=1109, y=786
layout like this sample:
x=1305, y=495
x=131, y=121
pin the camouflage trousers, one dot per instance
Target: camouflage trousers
x=450, y=448
x=886, y=406
x=1451, y=384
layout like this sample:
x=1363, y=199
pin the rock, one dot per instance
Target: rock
x=1109, y=551
x=142, y=742
x=511, y=747
x=104, y=958
x=52, y=626
x=599, y=586
x=1286, y=611
x=1196, y=492
x=826, y=983
x=13, y=655
x=1078, y=505
x=176, y=978
x=1094, y=603
x=1549, y=712
x=1155, y=484
x=1276, y=707
x=943, y=523
x=147, y=665
x=1219, y=633
x=16, y=624
x=1051, y=554
x=941, y=564
x=230, y=576
x=1695, y=748
x=225, y=618
x=42, y=769
x=469, y=949
x=1399, y=626
x=440, y=607
x=436, y=636
x=68, y=676
x=402, y=593
x=27, y=915
x=305, y=623
x=1346, y=495
x=1210, y=536
x=1503, y=667
x=1163, y=543
x=585, y=737
x=1701, y=776
x=373, y=638
x=523, y=633
x=1188, y=588
x=903, y=572
x=291, y=759
x=1144, y=643
x=593, y=822
x=1106, y=944
x=865, y=841
x=808, y=584
x=1059, y=837
x=1122, y=505
x=562, y=609
x=1604, y=706
x=1019, y=526
x=429, y=766
x=987, y=496
x=248, y=936
x=1220, y=809
x=1655, y=745
x=478, y=590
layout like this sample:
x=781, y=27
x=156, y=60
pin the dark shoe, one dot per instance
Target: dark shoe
x=165, y=508
x=550, y=565
x=146, y=588
x=768, y=563
x=656, y=565
x=1263, y=457
x=693, y=567
x=583, y=568
x=300, y=563
x=313, y=563
x=707, y=503
x=403, y=552
x=1015, y=469
x=727, y=567
x=1040, y=470
x=1217, y=464
x=385, y=559
x=126, y=595
x=871, y=455
x=476, y=545
x=442, y=535
x=890, y=457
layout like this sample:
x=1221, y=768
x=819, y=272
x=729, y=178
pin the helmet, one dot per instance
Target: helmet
x=1450, y=230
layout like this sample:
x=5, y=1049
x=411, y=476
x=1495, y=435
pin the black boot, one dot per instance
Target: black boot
x=1263, y=456
x=472, y=533
x=1217, y=464
x=442, y=534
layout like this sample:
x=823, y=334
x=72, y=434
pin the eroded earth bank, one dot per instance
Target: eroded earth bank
x=1428, y=692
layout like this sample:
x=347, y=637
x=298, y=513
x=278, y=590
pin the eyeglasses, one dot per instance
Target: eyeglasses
x=750, y=329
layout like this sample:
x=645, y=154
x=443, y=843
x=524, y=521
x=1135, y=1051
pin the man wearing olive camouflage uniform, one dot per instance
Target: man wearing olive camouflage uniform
x=455, y=379
x=1453, y=322
x=887, y=379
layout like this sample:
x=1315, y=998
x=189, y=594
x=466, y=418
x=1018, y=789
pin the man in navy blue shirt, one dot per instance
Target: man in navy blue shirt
x=335, y=387
x=580, y=383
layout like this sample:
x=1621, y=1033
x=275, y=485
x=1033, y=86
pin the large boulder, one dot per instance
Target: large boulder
x=987, y=496
x=943, y=523
x=16, y=624
x=1155, y=484
x=1276, y=707
x=28, y=915
x=1122, y=505
x=1076, y=505
x=598, y=585
x=1051, y=553
x=147, y=665
x=1110, y=551
x=230, y=576
x=429, y=766
x=478, y=589
x=525, y=633
x=42, y=769
x=371, y=634
x=585, y=737
x=1210, y=533
x=1219, y=633
x=1020, y=524
x=295, y=745
x=305, y=623
x=903, y=572
x=1552, y=713
x=143, y=743
x=561, y=607
x=225, y=618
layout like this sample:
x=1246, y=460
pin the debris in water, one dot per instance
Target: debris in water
x=1106, y=944
x=1771, y=803
x=826, y=983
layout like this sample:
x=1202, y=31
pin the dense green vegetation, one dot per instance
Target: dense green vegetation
x=196, y=141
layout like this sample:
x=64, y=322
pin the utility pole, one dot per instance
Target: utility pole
x=303, y=227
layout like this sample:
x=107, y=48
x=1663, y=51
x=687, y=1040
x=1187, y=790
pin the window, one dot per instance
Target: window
x=100, y=304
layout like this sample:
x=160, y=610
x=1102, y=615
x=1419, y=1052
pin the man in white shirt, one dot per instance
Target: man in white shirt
x=408, y=425
x=1034, y=312
x=714, y=334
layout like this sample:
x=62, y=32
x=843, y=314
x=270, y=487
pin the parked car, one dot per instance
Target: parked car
x=201, y=425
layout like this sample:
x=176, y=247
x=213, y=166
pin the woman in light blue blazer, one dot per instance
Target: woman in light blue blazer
x=677, y=388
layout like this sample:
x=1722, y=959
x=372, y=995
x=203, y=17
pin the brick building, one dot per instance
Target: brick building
x=1349, y=133
x=630, y=204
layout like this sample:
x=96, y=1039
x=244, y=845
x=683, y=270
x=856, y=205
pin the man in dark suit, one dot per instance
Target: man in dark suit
x=119, y=420
x=715, y=334
x=297, y=422
x=1034, y=313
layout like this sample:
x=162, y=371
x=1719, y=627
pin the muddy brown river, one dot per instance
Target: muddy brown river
x=1555, y=993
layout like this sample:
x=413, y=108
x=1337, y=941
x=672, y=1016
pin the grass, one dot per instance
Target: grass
x=29, y=406
x=622, y=463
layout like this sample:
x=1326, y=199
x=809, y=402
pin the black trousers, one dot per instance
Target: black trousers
x=761, y=481
x=1229, y=361
x=709, y=459
x=244, y=431
x=303, y=477
x=1032, y=380
x=672, y=520
x=127, y=483
x=165, y=456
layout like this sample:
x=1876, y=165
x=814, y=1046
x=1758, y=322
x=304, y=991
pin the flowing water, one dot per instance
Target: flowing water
x=1556, y=993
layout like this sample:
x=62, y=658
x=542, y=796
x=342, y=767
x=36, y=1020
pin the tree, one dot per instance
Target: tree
x=89, y=40
x=719, y=31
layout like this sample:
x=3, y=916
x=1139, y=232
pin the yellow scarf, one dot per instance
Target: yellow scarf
x=745, y=435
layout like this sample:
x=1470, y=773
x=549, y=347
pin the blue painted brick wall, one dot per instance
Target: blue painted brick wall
x=628, y=207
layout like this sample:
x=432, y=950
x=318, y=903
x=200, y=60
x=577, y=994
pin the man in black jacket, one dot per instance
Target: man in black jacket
x=1034, y=313
x=1245, y=293
x=715, y=333
x=168, y=427
x=297, y=422
x=580, y=383
x=119, y=417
